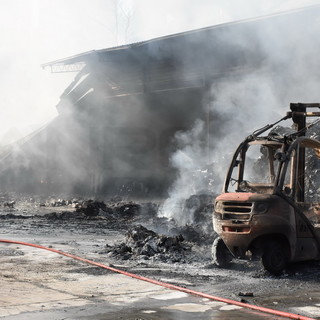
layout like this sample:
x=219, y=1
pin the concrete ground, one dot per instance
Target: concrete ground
x=38, y=284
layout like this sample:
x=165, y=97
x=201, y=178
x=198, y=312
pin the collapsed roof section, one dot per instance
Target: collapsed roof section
x=167, y=63
x=185, y=60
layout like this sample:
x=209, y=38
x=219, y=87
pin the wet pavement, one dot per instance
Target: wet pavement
x=37, y=284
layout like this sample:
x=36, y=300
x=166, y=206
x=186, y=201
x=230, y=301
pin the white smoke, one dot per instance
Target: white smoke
x=242, y=103
x=238, y=103
x=189, y=179
x=38, y=31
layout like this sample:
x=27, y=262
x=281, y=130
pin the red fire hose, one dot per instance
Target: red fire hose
x=166, y=285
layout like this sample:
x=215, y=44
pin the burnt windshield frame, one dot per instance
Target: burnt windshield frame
x=239, y=160
x=235, y=162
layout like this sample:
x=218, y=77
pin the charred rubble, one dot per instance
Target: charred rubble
x=94, y=209
x=143, y=243
x=147, y=236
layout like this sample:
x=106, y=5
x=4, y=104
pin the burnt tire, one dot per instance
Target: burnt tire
x=221, y=256
x=274, y=257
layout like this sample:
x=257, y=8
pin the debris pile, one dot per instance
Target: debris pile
x=201, y=230
x=197, y=233
x=200, y=205
x=64, y=215
x=92, y=208
x=113, y=215
x=128, y=210
x=58, y=203
x=149, y=237
x=146, y=244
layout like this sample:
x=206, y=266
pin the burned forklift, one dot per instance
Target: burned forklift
x=268, y=209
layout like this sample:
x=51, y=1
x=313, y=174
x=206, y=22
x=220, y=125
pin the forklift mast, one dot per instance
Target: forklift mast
x=299, y=114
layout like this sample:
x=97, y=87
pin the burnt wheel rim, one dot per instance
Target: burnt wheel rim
x=274, y=258
x=277, y=259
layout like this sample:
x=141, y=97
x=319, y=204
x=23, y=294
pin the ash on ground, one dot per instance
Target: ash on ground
x=146, y=236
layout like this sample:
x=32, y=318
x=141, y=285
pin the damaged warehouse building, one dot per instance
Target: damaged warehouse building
x=117, y=121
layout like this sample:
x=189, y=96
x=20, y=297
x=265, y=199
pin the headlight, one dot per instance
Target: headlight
x=261, y=207
x=218, y=206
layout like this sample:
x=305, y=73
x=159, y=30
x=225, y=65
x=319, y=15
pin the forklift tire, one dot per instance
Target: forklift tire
x=274, y=258
x=221, y=255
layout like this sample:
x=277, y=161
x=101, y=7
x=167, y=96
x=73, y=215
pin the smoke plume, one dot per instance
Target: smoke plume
x=242, y=103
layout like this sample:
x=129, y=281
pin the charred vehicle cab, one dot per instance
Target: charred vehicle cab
x=270, y=205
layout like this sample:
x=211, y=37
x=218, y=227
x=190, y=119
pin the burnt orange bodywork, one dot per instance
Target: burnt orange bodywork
x=242, y=218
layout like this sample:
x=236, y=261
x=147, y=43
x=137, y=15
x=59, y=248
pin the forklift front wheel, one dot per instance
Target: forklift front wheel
x=221, y=255
x=274, y=258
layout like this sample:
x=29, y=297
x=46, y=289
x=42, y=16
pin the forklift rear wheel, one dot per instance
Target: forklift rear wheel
x=274, y=258
x=221, y=255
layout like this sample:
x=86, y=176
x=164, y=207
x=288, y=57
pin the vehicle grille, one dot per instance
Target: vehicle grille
x=236, y=210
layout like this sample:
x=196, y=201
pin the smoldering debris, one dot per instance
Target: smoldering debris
x=165, y=240
x=99, y=209
x=150, y=237
x=121, y=214
x=146, y=244
x=128, y=210
x=201, y=205
x=95, y=209
x=200, y=230
x=92, y=208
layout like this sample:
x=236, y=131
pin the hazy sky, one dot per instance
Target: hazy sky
x=34, y=32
